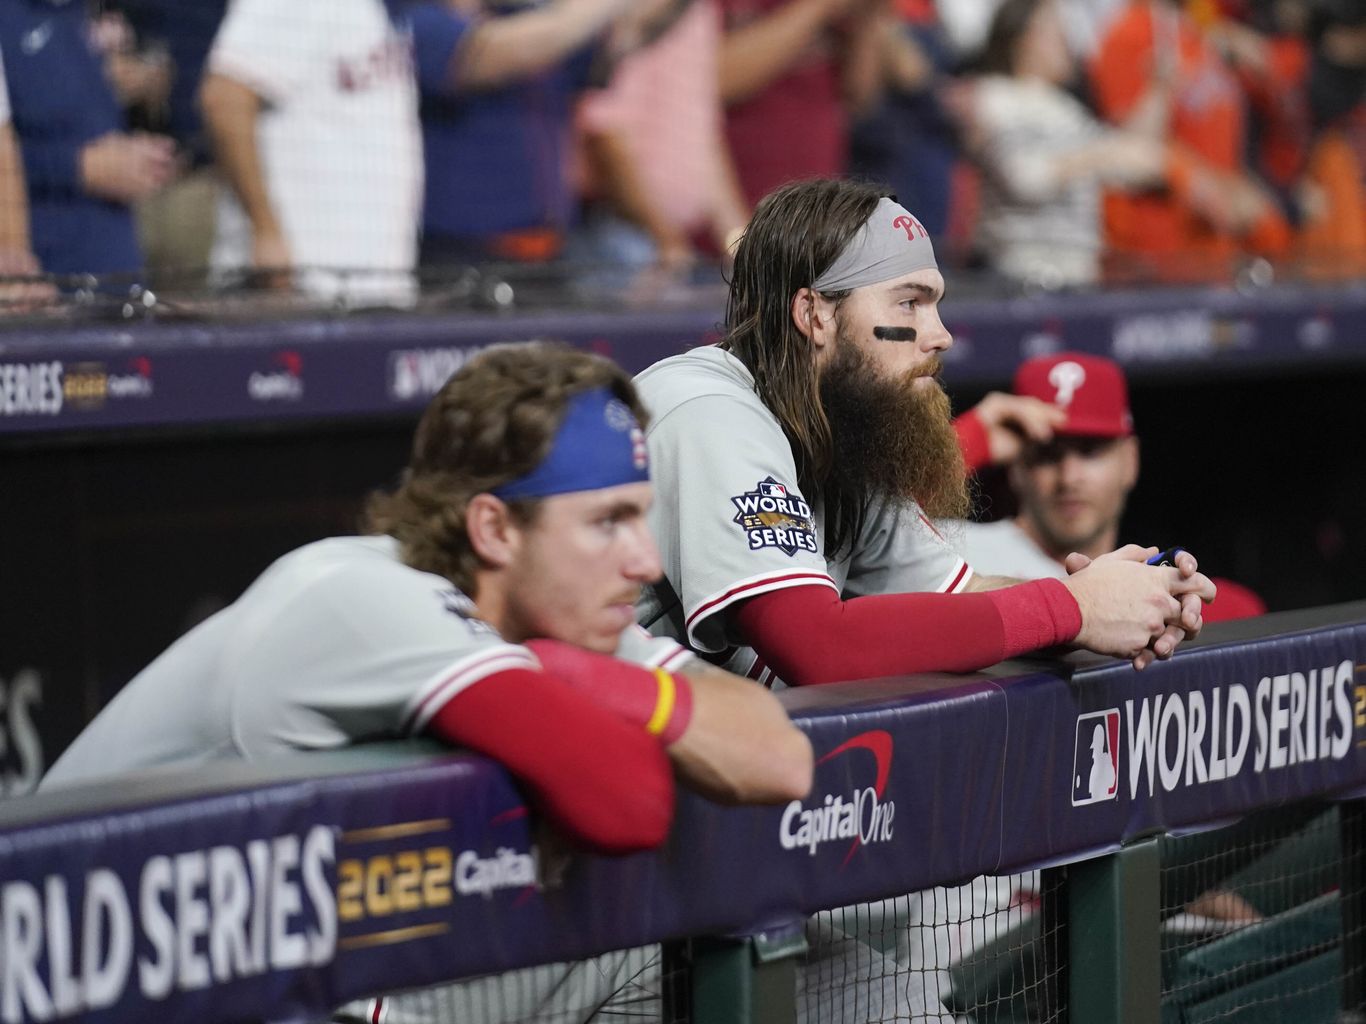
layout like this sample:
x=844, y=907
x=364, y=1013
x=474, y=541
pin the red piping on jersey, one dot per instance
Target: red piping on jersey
x=952, y=588
x=767, y=581
x=501, y=653
x=933, y=529
x=375, y=1015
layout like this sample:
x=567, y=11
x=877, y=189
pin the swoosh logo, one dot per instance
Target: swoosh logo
x=36, y=38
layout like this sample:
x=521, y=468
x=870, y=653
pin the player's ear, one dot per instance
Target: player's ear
x=810, y=316
x=1131, y=467
x=493, y=534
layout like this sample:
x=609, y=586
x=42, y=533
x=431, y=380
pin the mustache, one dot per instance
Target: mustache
x=932, y=367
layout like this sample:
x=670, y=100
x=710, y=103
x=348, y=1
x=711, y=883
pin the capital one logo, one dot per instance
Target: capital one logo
x=862, y=816
x=1095, y=760
x=1066, y=377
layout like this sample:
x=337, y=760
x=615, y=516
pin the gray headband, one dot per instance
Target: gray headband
x=889, y=244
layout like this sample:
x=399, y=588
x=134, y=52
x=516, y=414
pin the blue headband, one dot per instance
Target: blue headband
x=598, y=445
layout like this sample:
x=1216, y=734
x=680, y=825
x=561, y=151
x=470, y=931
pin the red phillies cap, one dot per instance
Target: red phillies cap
x=1091, y=388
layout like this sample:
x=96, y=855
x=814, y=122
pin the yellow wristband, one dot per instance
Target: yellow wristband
x=664, y=703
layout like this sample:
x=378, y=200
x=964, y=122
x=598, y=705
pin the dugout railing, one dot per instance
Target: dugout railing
x=279, y=891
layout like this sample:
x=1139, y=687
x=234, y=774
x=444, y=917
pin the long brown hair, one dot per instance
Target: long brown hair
x=794, y=236
x=492, y=422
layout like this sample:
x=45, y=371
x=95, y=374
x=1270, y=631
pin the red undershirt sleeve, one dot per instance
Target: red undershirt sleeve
x=810, y=635
x=972, y=441
x=604, y=782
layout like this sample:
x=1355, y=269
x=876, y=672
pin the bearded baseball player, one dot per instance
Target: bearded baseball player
x=797, y=467
x=799, y=462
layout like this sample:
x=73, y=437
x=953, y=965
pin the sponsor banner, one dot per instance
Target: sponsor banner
x=288, y=898
x=1215, y=733
x=280, y=906
x=907, y=793
x=298, y=369
x=184, y=375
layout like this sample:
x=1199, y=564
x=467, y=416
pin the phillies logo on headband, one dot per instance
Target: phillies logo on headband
x=911, y=226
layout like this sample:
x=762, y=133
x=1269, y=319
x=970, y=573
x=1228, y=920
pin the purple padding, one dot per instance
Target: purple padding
x=250, y=891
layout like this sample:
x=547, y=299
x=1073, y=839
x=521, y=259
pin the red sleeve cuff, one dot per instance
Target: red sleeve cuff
x=972, y=441
x=1041, y=613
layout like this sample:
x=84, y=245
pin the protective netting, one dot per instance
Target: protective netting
x=984, y=952
x=1253, y=927
x=628, y=986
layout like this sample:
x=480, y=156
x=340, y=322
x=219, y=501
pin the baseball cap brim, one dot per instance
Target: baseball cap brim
x=1097, y=426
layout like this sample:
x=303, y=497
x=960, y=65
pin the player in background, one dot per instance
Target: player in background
x=1072, y=488
x=798, y=463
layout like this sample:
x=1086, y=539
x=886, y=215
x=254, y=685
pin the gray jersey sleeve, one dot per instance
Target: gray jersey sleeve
x=727, y=514
x=639, y=647
x=1003, y=549
x=371, y=649
x=899, y=551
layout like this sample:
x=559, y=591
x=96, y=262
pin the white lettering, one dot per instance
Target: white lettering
x=1326, y=694
x=1280, y=719
x=30, y=389
x=230, y=896
x=1237, y=700
x=318, y=852
x=1218, y=767
x=1142, y=742
x=287, y=949
x=1195, y=722
x=129, y=385
x=106, y=909
x=507, y=869
x=275, y=387
x=1173, y=712
x=157, y=974
x=864, y=818
x=61, y=975
x=1342, y=702
x=1297, y=702
x=23, y=940
x=258, y=856
x=1263, y=695
x=192, y=920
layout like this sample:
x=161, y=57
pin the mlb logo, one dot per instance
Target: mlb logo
x=1095, y=760
x=769, y=489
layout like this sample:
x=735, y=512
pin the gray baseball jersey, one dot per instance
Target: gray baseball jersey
x=336, y=642
x=1003, y=549
x=731, y=523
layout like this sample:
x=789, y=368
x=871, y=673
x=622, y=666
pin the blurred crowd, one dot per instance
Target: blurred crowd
x=335, y=147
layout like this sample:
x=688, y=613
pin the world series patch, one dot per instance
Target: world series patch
x=773, y=516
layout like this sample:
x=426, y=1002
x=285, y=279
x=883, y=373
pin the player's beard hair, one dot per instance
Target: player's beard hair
x=892, y=438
